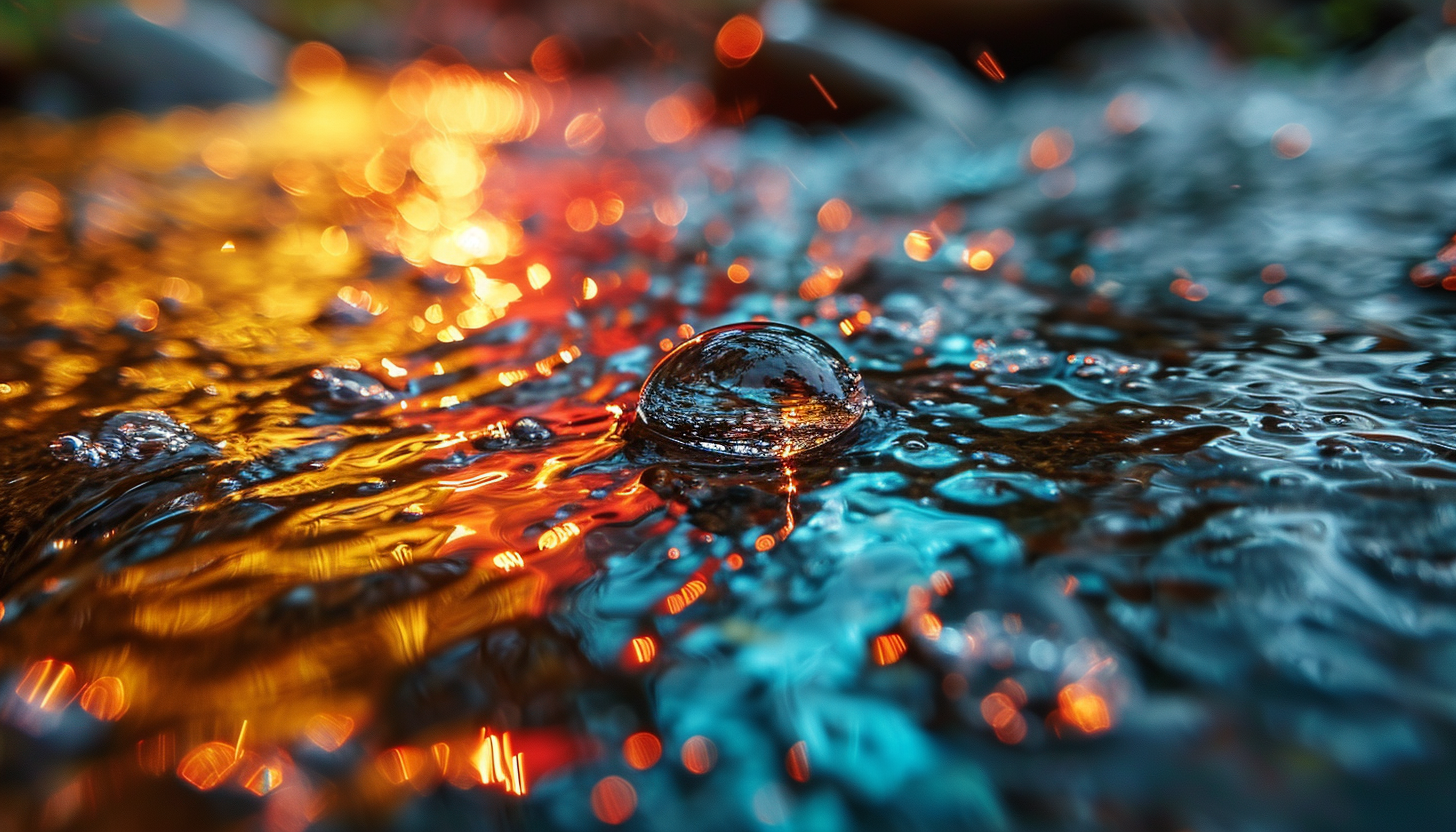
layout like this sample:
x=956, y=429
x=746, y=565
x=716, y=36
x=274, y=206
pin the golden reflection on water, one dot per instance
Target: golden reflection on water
x=215, y=259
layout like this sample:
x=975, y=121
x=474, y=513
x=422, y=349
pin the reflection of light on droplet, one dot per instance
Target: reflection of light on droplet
x=581, y=214
x=588, y=289
x=295, y=176
x=496, y=762
x=1051, y=148
x=208, y=765
x=538, y=275
x=1083, y=708
x=699, y=755
x=147, y=313
x=506, y=561
x=335, y=241
x=671, y=119
x=739, y=272
x=586, y=133
x=683, y=598
x=1004, y=717
x=835, y=215
x=641, y=650
x=1126, y=113
x=1292, y=141
x=822, y=283
x=558, y=535
x=642, y=750
x=401, y=764
x=1185, y=288
x=670, y=210
x=419, y=211
x=105, y=698
x=738, y=41
x=610, y=208
x=920, y=245
x=385, y=172
x=613, y=800
x=37, y=210
x=229, y=247
x=929, y=625
x=316, y=68
x=328, y=731
x=226, y=157
x=888, y=649
x=1013, y=691
x=47, y=684
x=980, y=259
x=263, y=779
x=797, y=761
x=555, y=59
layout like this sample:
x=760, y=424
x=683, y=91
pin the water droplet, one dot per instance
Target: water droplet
x=338, y=388
x=523, y=432
x=752, y=390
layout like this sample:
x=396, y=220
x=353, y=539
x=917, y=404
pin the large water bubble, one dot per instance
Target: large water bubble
x=760, y=390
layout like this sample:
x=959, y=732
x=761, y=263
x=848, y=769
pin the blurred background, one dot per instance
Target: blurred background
x=69, y=59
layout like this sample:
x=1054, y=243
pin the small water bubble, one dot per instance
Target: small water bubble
x=760, y=390
x=350, y=388
x=527, y=430
x=135, y=435
x=522, y=432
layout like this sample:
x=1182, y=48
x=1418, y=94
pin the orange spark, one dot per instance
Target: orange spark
x=823, y=92
x=986, y=62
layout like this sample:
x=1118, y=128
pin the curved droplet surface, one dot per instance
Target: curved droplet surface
x=760, y=390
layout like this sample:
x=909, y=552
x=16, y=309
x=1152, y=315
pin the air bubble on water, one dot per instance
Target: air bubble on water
x=520, y=433
x=134, y=435
x=760, y=390
x=350, y=388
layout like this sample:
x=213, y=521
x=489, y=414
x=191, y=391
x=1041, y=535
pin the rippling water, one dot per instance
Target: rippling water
x=321, y=508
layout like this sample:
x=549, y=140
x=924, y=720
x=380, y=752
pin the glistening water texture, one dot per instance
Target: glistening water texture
x=318, y=508
x=757, y=390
